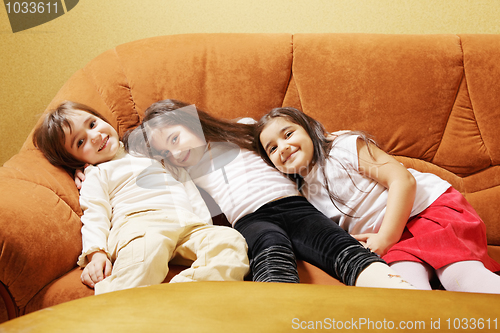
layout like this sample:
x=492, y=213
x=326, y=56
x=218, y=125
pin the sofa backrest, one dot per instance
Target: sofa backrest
x=431, y=97
x=226, y=74
x=431, y=100
x=434, y=99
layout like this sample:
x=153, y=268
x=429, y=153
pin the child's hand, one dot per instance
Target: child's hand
x=97, y=269
x=375, y=242
x=79, y=177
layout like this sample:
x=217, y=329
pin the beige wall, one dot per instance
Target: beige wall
x=35, y=63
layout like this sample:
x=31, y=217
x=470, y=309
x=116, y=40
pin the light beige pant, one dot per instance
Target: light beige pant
x=147, y=241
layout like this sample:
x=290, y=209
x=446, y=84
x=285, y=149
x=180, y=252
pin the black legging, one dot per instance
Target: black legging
x=291, y=225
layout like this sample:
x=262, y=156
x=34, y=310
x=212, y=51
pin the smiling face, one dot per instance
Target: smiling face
x=179, y=145
x=90, y=139
x=288, y=146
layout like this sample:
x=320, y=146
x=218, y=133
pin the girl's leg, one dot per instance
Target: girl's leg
x=217, y=253
x=380, y=275
x=320, y=241
x=269, y=249
x=469, y=276
x=142, y=251
x=416, y=273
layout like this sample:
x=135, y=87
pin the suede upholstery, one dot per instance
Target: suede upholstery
x=433, y=101
x=267, y=307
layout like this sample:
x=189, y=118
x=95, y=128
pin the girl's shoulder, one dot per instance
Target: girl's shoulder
x=345, y=140
x=245, y=120
x=333, y=135
x=343, y=151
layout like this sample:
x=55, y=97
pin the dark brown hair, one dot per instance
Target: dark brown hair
x=314, y=129
x=161, y=114
x=319, y=137
x=49, y=137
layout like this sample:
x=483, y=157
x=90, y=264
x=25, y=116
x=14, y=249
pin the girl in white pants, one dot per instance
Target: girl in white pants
x=136, y=216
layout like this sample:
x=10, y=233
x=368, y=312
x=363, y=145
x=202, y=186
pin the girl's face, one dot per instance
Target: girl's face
x=90, y=139
x=179, y=145
x=288, y=146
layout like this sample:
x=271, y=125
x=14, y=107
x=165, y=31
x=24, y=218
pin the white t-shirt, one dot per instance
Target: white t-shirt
x=239, y=180
x=128, y=184
x=366, y=200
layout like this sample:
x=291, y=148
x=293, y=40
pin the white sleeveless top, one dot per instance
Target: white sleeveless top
x=366, y=201
x=239, y=180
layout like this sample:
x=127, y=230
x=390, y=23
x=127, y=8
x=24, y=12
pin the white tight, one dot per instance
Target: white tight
x=418, y=274
x=380, y=275
x=467, y=276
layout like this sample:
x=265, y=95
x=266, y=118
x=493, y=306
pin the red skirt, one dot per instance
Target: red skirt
x=447, y=231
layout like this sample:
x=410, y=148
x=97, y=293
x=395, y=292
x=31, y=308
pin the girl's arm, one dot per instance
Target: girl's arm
x=386, y=170
x=96, y=220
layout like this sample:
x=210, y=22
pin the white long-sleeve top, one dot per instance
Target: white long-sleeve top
x=128, y=184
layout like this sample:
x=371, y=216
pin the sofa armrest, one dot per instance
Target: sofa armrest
x=39, y=225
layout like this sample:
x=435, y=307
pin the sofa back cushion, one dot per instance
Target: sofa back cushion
x=434, y=99
x=230, y=75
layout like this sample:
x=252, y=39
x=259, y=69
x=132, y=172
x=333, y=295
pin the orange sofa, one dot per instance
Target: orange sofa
x=431, y=100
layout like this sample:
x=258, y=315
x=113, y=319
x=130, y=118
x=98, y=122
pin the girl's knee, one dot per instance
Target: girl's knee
x=273, y=239
x=229, y=236
x=228, y=232
x=468, y=276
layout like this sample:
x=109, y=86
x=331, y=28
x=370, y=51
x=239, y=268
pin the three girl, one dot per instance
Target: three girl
x=263, y=205
x=416, y=221
x=136, y=216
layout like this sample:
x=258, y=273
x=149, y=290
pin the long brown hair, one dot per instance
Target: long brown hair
x=49, y=136
x=314, y=129
x=321, y=143
x=172, y=112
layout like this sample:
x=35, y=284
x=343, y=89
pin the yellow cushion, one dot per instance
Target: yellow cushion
x=262, y=307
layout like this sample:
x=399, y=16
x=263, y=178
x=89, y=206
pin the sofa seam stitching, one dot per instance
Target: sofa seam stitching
x=475, y=120
x=292, y=76
x=290, y=73
x=91, y=79
x=453, y=106
x=129, y=88
x=454, y=101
